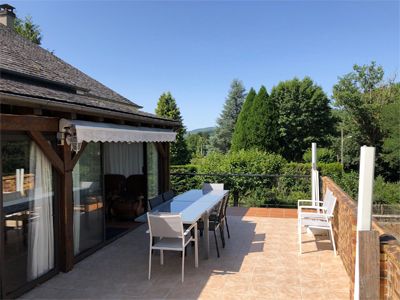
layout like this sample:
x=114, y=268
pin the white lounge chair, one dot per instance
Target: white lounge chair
x=307, y=203
x=208, y=187
x=320, y=219
x=168, y=228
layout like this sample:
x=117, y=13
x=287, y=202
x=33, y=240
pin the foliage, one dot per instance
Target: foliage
x=221, y=139
x=391, y=143
x=304, y=116
x=386, y=192
x=197, y=143
x=262, y=129
x=181, y=184
x=323, y=155
x=167, y=108
x=363, y=96
x=28, y=29
x=240, y=138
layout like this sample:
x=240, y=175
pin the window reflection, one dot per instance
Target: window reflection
x=27, y=211
x=88, y=199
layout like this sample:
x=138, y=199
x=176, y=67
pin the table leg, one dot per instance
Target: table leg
x=206, y=234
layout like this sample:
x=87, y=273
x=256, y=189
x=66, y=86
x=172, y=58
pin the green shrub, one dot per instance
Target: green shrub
x=324, y=155
x=182, y=183
x=386, y=192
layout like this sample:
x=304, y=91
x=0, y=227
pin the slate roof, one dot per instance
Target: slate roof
x=45, y=76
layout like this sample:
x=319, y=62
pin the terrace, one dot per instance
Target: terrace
x=260, y=261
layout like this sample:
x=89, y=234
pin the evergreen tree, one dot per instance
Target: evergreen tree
x=28, y=30
x=221, y=140
x=240, y=135
x=304, y=116
x=263, y=121
x=167, y=108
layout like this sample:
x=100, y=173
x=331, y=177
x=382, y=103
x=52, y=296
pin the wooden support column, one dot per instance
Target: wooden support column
x=66, y=213
x=48, y=150
x=369, y=253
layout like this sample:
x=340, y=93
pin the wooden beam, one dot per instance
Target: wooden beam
x=369, y=251
x=28, y=123
x=48, y=150
x=66, y=214
x=160, y=149
x=78, y=155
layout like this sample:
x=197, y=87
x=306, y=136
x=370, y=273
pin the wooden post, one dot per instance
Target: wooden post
x=366, y=281
x=66, y=213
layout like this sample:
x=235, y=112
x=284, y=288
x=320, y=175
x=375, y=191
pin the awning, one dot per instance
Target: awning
x=85, y=131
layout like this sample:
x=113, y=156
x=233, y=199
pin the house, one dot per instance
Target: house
x=78, y=162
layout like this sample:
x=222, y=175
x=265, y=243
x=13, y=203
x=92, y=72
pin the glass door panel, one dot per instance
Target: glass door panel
x=28, y=214
x=152, y=171
x=88, y=199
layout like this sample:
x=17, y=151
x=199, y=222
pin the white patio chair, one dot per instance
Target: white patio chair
x=168, y=228
x=322, y=219
x=307, y=203
x=208, y=187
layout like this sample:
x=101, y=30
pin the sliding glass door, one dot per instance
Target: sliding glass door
x=27, y=212
x=152, y=171
x=88, y=199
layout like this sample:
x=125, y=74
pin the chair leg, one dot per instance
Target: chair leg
x=227, y=227
x=299, y=233
x=196, y=249
x=216, y=242
x=183, y=264
x=161, y=257
x=221, y=232
x=150, y=252
x=332, y=239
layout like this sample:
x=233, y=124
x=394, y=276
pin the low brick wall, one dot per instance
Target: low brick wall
x=345, y=226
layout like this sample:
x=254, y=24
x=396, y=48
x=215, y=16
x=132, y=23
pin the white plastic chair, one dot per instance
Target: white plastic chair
x=208, y=187
x=168, y=228
x=321, y=219
x=320, y=205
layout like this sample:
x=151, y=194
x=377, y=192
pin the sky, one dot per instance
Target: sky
x=194, y=49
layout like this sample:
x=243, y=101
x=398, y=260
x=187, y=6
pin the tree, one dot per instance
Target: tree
x=197, y=143
x=391, y=142
x=240, y=138
x=304, y=116
x=363, y=96
x=221, y=140
x=28, y=29
x=167, y=108
x=263, y=121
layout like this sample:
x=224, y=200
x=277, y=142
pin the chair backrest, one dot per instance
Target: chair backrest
x=157, y=200
x=330, y=204
x=168, y=195
x=208, y=187
x=165, y=225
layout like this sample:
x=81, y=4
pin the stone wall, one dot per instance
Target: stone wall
x=345, y=226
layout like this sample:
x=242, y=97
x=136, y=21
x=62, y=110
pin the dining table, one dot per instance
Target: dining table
x=193, y=205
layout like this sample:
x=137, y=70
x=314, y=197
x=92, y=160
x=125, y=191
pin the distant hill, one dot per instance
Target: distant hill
x=199, y=130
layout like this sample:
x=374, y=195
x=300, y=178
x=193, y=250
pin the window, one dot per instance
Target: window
x=88, y=199
x=152, y=170
x=28, y=214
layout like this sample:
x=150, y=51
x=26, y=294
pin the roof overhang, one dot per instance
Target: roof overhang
x=86, y=131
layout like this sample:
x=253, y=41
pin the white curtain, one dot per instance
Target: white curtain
x=123, y=158
x=152, y=170
x=40, y=232
x=77, y=205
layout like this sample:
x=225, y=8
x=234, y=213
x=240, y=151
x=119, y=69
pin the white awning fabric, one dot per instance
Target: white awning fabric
x=85, y=131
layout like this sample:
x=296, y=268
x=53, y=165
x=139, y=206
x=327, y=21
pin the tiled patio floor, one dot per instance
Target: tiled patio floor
x=260, y=261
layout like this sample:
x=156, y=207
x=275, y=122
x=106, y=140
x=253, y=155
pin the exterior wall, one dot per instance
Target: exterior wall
x=345, y=226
